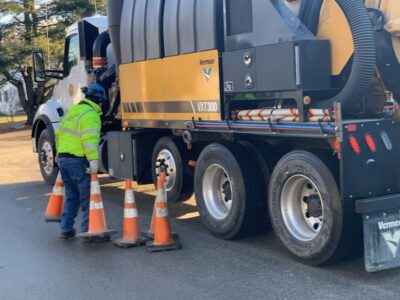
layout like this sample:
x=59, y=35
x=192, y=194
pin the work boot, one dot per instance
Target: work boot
x=68, y=235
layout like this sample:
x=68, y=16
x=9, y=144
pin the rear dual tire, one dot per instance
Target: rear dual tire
x=306, y=211
x=305, y=207
x=227, y=187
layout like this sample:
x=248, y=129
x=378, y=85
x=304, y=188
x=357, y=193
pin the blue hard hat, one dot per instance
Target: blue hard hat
x=94, y=90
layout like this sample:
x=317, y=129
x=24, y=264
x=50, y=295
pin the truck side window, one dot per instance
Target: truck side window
x=72, y=53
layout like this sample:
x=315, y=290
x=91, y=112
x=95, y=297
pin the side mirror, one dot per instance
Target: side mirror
x=39, y=71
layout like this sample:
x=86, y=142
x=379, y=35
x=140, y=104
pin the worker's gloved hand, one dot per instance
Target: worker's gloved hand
x=94, y=166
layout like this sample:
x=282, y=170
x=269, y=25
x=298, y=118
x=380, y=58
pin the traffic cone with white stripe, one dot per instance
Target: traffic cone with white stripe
x=56, y=203
x=131, y=232
x=97, y=221
x=163, y=238
x=149, y=234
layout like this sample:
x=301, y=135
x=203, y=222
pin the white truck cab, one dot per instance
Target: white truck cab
x=68, y=90
x=76, y=74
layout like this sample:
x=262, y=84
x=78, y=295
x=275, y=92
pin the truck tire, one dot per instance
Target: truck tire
x=46, y=156
x=227, y=190
x=179, y=182
x=260, y=154
x=306, y=211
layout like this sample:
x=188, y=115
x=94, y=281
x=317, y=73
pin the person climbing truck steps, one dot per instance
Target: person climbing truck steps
x=258, y=107
x=77, y=142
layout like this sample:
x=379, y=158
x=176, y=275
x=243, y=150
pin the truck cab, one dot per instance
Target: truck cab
x=75, y=74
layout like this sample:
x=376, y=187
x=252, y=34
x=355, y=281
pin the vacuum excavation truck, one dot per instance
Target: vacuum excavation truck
x=276, y=114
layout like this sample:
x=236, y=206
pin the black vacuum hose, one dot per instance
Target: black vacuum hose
x=364, y=59
x=100, y=45
x=309, y=14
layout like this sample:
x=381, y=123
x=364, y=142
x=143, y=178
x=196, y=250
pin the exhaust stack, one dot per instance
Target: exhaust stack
x=114, y=11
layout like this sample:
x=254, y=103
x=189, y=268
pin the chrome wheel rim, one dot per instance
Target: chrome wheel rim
x=302, y=208
x=47, y=157
x=168, y=159
x=217, y=191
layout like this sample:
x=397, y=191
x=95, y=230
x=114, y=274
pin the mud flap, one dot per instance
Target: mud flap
x=381, y=240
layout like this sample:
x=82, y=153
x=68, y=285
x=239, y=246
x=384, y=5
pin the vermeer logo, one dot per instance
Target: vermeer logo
x=392, y=239
x=207, y=73
x=207, y=62
x=388, y=225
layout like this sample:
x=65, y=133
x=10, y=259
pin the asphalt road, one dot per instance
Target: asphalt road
x=35, y=264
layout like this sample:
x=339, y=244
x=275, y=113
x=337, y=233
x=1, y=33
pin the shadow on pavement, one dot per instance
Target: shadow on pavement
x=34, y=196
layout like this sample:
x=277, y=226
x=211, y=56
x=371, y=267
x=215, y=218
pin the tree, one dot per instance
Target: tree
x=29, y=25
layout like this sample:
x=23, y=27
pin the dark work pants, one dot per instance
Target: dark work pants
x=77, y=192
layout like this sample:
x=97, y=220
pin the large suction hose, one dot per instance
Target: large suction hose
x=364, y=58
x=100, y=45
x=114, y=11
x=100, y=51
x=309, y=14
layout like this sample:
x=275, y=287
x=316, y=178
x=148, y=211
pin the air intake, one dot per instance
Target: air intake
x=240, y=16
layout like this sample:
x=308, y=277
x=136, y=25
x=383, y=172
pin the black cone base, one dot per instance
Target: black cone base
x=49, y=219
x=150, y=235
x=96, y=237
x=129, y=244
x=176, y=245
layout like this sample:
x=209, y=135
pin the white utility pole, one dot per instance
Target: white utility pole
x=95, y=6
x=47, y=33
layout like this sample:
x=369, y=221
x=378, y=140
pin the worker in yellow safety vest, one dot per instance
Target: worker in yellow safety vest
x=77, y=142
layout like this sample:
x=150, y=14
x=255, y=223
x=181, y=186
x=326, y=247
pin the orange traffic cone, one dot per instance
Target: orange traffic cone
x=131, y=235
x=149, y=234
x=56, y=203
x=97, y=221
x=163, y=238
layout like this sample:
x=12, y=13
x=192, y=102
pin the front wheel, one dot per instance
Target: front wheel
x=179, y=181
x=46, y=157
x=306, y=211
